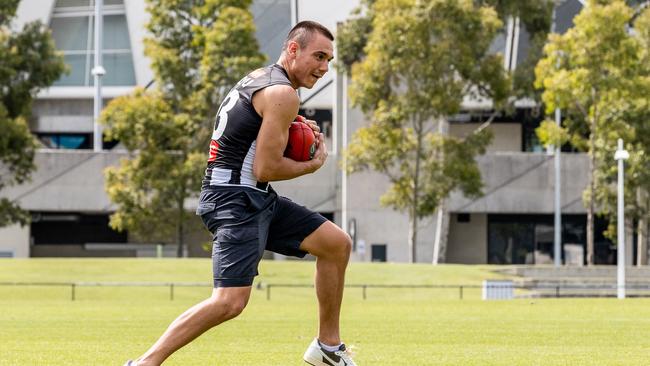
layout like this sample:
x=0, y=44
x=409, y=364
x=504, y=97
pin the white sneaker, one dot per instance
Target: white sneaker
x=131, y=363
x=317, y=356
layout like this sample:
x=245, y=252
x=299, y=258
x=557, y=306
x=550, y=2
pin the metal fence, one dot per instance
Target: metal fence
x=523, y=291
x=74, y=285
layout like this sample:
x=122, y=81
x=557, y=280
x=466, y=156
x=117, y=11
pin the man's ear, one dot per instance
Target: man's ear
x=292, y=48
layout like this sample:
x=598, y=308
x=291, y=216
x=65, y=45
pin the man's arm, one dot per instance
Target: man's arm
x=278, y=105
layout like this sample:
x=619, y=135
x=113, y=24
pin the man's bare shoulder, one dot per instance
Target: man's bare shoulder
x=282, y=97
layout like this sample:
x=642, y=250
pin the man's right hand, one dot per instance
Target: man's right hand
x=321, y=153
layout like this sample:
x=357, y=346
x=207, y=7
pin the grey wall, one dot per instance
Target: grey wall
x=73, y=180
x=467, y=241
x=15, y=239
x=524, y=183
x=382, y=225
x=507, y=136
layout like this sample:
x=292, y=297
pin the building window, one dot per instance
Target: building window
x=323, y=118
x=463, y=217
x=66, y=140
x=73, y=29
x=529, y=239
x=378, y=252
x=564, y=14
x=72, y=141
x=273, y=22
x=73, y=228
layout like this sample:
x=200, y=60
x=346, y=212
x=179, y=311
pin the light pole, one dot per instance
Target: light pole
x=557, y=215
x=98, y=71
x=557, y=233
x=621, y=155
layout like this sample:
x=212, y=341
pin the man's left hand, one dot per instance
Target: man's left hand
x=311, y=123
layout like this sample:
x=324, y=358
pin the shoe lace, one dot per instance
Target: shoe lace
x=346, y=356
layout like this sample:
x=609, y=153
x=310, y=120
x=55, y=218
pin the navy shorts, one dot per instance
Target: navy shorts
x=244, y=222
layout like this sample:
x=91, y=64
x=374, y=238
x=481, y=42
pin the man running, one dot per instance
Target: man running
x=244, y=213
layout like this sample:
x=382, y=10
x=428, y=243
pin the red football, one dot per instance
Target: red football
x=302, y=142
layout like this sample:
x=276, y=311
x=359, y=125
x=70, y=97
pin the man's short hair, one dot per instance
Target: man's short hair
x=303, y=32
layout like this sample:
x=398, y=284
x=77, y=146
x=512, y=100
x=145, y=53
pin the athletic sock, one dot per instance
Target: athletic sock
x=329, y=348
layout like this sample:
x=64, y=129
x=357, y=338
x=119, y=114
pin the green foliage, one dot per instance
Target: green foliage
x=535, y=15
x=198, y=51
x=420, y=60
x=28, y=62
x=7, y=11
x=352, y=35
x=550, y=133
x=599, y=74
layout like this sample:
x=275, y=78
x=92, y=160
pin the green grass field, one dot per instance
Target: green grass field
x=107, y=325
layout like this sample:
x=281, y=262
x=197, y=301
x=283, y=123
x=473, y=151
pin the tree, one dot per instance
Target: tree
x=198, y=49
x=595, y=72
x=28, y=62
x=420, y=60
x=630, y=120
x=535, y=15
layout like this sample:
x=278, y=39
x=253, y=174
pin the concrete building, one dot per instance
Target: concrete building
x=512, y=223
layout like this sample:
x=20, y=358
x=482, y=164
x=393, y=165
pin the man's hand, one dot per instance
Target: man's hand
x=311, y=123
x=321, y=152
x=278, y=105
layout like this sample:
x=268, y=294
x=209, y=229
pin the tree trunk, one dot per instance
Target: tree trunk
x=442, y=219
x=179, y=228
x=642, y=231
x=592, y=190
x=442, y=232
x=416, y=187
x=413, y=235
x=642, y=243
x=629, y=242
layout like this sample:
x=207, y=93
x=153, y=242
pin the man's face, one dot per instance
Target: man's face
x=311, y=62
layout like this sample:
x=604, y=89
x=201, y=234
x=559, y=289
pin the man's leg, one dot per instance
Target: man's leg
x=224, y=304
x=331, y=246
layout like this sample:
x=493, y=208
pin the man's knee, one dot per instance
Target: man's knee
x=330, y=242
x=235, y=308
x=340, y=246
x=346, y=247
x=229, y=306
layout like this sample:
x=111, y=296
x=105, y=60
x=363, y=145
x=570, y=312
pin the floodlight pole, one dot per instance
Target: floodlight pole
x=98, y=71
x=344, y=145
x=557, y=226
x=621, y=155
x=557, y=237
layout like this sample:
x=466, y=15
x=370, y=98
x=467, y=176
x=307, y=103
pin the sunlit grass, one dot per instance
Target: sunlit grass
x=107, y=325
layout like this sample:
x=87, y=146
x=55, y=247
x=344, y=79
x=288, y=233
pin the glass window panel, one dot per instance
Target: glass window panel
x=119, y=70
x=72, y=142
x=544, y=244
x=510, y=243
x=77, y=3
x=49, y=141
x=70, y=33
x=498, y=44
x=564, y=14
x=273, y=22
x=69, y=3
x=116, y=33
x=77, y=76
x=523, y=45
